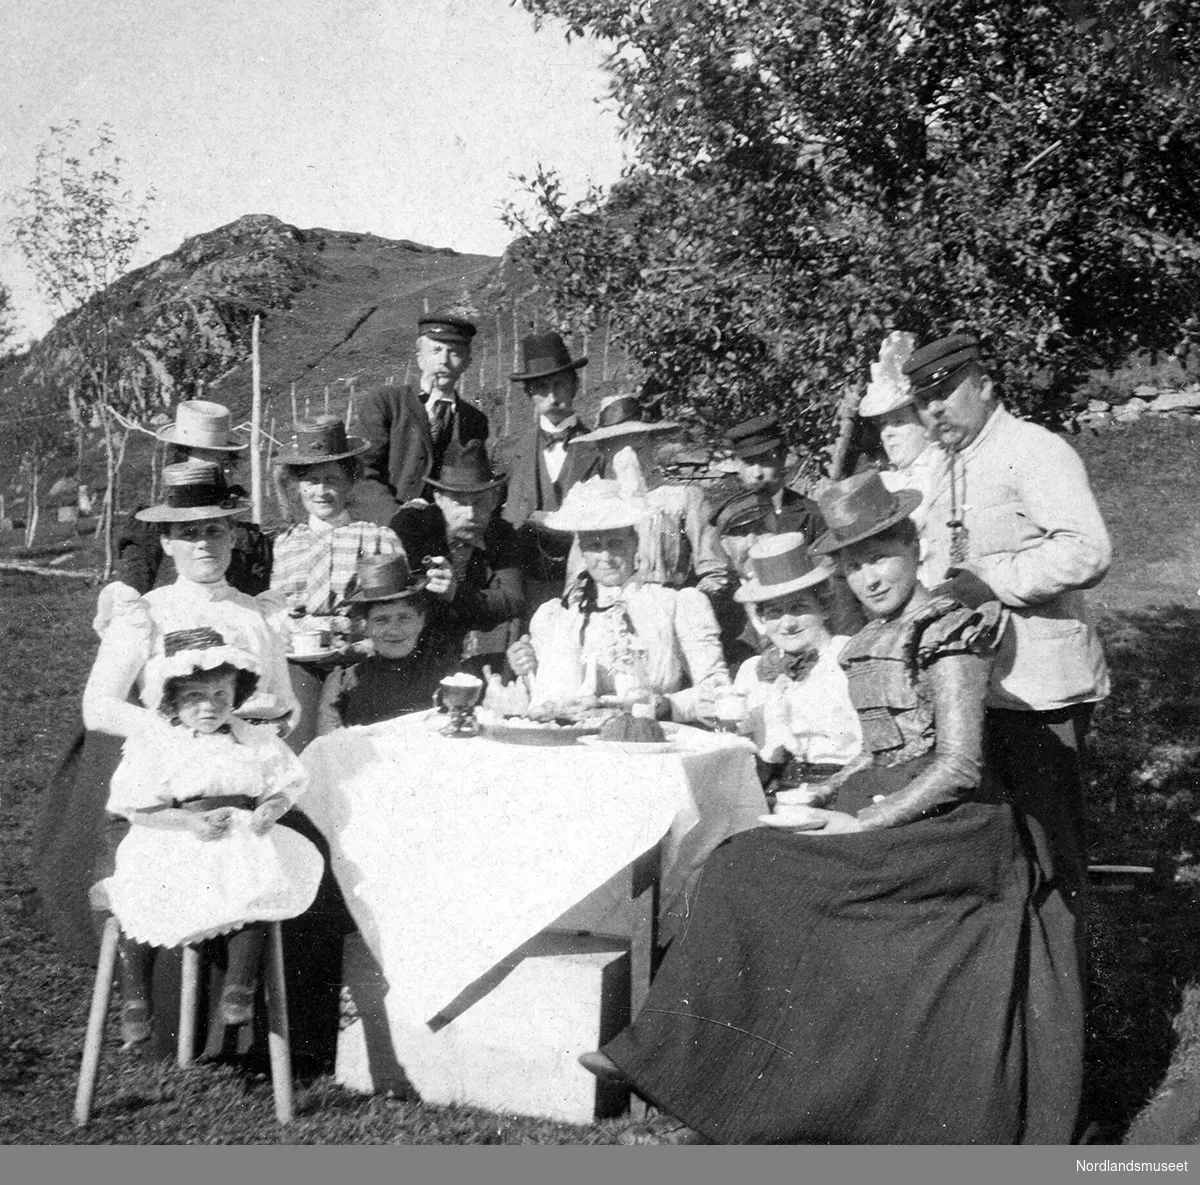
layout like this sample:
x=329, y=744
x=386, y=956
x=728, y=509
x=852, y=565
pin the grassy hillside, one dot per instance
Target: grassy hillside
x=338, y=317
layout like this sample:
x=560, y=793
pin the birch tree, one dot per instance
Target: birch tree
x=78, y=225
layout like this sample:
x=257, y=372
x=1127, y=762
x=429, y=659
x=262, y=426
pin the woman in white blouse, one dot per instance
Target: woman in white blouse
x=612, y=634
x=797, y=698
x=196, y=531
x=793, y=698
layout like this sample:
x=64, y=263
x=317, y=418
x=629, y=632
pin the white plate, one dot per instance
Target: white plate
x=316, y=656
x=632, y=747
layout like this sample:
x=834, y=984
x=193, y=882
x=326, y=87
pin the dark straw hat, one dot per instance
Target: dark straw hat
x=320, y=439
x=780, y=565
x=739, y=508
x=383, y=578
x=543, y=355
x=936, y=369
x=624, y=414
x=446, y=326
x=754, y=437
x=466, y=470
x=859, y=507
x=193, y=490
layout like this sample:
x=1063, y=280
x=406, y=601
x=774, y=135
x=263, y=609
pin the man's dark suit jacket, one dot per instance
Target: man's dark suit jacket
x=402, y=455
x=530, y=490
x=799, y=514
x=529, y=485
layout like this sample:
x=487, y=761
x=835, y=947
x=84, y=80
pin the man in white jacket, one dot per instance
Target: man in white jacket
x=1013, y=518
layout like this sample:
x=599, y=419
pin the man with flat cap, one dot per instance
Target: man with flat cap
x=543, y=468
x=410, y=428
x=759, y=450
x=1014, y=519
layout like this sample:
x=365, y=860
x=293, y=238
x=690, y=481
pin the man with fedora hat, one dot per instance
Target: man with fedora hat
x=758, y=450
x=542, y=467
x=678, y=543
x=472, y=555
x=410, y=428
x=1014, y=518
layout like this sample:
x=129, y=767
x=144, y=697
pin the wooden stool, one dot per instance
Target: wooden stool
x=278, y=1045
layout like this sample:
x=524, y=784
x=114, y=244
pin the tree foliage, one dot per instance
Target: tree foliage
x=77, y=226
x=813, y=173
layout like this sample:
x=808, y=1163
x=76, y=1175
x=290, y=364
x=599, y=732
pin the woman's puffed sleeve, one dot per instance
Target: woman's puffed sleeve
x=127, y=643
x=699, y=638
x=115, y=600
x=554, y=633
x=961, y=631
x=273, y=604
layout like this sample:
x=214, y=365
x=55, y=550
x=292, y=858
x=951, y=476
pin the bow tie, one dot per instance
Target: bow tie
x=774, y=663
x=556, y=437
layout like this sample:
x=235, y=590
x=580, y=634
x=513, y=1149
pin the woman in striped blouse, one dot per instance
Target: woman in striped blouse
x=316, y=558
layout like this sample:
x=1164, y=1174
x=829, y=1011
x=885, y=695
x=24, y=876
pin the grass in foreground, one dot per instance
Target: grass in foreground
x=1144, y=794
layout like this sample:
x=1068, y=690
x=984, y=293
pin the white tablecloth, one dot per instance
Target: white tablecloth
x=453, y=852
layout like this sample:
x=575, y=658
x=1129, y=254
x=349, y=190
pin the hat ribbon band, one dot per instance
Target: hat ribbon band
x=779, y=569
x=620, y=411
x=201, y=638
x=206, y=494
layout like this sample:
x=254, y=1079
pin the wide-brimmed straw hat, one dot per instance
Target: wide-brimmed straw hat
x=201, y=424
x=624, y=414
x=753, y=438
x=543, y=355
x=466, y=470
x=193, y=490
x=383, y=578
x=598, y=504
x=889, y=388
x=780, y=565
x=322, y=438
x=859, y=507
x=187, y=652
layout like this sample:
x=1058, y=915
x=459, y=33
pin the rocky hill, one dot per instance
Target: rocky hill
x=338, y=314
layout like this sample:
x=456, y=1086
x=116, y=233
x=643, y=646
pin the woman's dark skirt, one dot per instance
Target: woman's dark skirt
x=883, y=987
x=73, y=847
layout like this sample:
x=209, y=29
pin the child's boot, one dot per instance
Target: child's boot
x=245, y=954
x=136, y=960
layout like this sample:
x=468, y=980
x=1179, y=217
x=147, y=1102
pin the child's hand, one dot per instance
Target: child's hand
x=267, y=814
x=209, y=825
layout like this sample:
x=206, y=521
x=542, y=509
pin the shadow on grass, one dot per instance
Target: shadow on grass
x=1144, y=946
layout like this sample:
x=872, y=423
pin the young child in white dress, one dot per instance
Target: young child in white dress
x=203, y=856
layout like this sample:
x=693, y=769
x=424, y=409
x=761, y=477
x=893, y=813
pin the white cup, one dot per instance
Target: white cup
x=309, y=642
